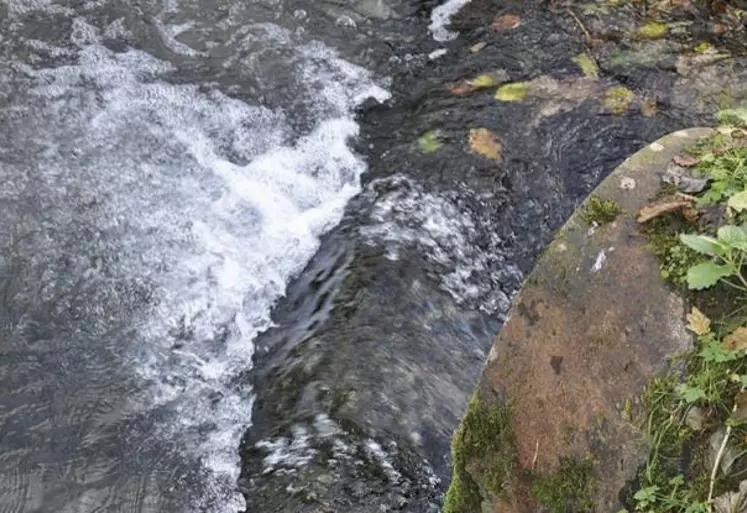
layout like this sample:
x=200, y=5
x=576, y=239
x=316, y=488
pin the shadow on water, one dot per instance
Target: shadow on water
x=380, y=340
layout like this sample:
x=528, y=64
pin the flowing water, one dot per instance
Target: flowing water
x=166, y=168
x=228, y=278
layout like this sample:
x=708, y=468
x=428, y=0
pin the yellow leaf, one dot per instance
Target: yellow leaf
x=698, y=323
x=618, y=99
x=484, y=142
x=653, y=30
x=482, y=81
x=587, y=64
x=736, y=341
x=513, y=92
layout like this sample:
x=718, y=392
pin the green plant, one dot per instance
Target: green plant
x=599, y=211
x=728, y=251
x=728, y=170
x=567, y=488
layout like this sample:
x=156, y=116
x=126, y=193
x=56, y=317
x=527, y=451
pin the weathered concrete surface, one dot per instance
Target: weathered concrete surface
x=592, y=325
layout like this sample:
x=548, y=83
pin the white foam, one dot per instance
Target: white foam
x=218, y=240
x=447, y=236
x=441, y=18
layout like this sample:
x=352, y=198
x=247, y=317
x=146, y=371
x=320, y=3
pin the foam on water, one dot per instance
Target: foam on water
x=216, y=241
x=441, y=18
x=449, y=236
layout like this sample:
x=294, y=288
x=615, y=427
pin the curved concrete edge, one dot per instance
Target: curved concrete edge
x=548, y=427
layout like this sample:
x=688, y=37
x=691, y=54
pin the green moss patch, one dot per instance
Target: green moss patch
x=598, y=211
x=568, y=488
x=483, y=457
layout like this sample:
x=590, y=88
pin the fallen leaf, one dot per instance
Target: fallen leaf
x=662, y=207
x=740, y=407
x=484, y=81
x=618, y=99
x=649, y=107
x=698, y=323
x=513, y=92
x=587, y=64
x=479, y=46
x=484, y=142
x=506, y=22
x=736, y=340
x=685, y=160
x=653, y=30
x=430, y=141
x=718, y=29
x=732, y=502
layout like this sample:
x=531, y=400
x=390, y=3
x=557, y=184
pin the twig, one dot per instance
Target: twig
x=536, y=454
x=581, y=25
x=682, y=195
x=720, y=455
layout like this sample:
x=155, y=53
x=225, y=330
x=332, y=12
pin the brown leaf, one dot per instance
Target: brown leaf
x=718, y=29
x=506, y=22
x=461, y=88
x=740, y=407
x=736, y=341
x=685, y=160
x=698, y=323
x=664, y=206
x=649, y=107
x=484, y=142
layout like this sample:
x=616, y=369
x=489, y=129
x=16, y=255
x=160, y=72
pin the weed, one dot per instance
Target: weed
x=598, y=211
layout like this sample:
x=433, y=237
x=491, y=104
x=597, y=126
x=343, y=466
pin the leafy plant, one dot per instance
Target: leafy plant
x=728, y=251
x=728, y=170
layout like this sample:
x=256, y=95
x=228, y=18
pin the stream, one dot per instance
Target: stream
x=231, y=281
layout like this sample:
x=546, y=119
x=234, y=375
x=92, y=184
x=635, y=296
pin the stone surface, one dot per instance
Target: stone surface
x=592, y=325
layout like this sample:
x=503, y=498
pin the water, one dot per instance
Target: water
x=152, y=216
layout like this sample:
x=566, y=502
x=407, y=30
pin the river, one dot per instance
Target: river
x=228, y=278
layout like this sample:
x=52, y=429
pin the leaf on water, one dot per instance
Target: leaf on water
x=705, y=275
x=506, y=22
x=662, y=207
x=587, y=64
x=477, y=47
x=430, y=141
x=702, y=244
x=513, y=92
x=698, y=323
x=484, y=142
x=649, y=107
x=736, y=340
x=653, y=30
x=618, y=99
x=483, y=81
x=738, y=202
x=685, y=160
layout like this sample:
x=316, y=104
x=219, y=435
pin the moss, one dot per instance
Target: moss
x=674, y=257
x=569, y=488
x=483, y=457
x=599, y=211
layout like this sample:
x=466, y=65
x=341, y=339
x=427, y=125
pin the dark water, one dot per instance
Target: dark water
x=229, y=280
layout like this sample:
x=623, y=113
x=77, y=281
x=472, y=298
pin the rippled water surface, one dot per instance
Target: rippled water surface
x=165, y=169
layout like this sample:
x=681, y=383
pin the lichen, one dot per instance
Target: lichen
x=483, y=457
x=598, y=211
x=568, y=488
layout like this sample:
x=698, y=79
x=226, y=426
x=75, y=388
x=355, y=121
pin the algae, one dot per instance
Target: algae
x=483, y=457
